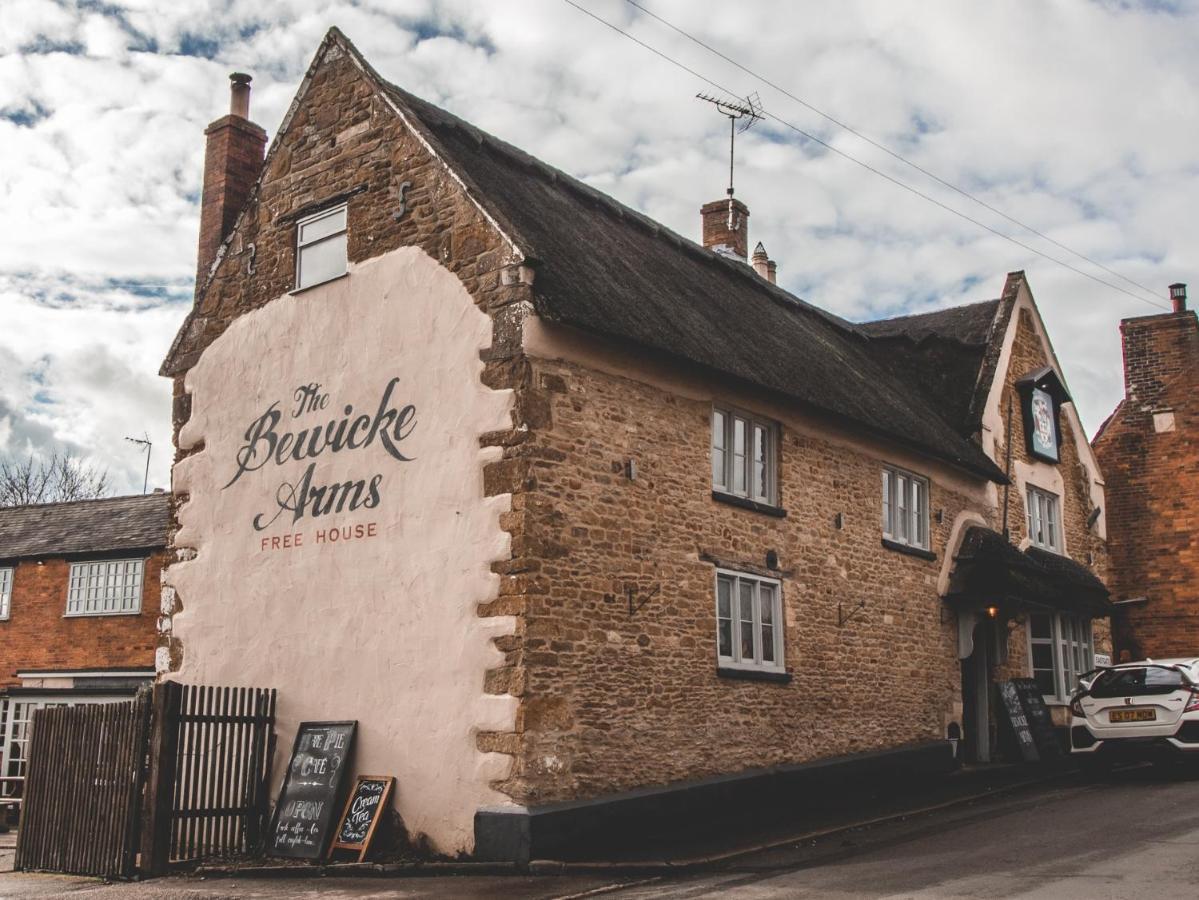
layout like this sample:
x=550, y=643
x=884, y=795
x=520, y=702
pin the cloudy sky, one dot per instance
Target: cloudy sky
x=1077, y=117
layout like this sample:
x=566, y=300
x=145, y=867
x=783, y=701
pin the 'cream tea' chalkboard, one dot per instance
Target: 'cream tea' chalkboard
x=368, y=803
x=312, y=790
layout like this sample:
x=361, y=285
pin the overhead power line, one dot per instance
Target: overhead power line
x=892, y=153
x=850, y=157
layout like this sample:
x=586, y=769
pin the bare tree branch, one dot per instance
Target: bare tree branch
x=54, y=479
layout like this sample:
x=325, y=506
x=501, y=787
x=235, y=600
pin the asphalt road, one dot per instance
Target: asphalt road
x=1135, y=837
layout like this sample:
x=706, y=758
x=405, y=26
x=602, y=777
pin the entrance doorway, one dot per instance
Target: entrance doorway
x=976, y=694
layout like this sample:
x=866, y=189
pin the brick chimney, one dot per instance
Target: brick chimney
x=232, y=160
x=726, y=227
x=1158, y=349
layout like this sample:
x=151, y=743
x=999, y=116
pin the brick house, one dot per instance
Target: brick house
x=573, y=514
x=79, y=586
x=1149, y=449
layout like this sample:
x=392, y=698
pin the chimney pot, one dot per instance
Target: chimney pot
x=239, y=95
x=1178, y=296
x=761, y=261
x=772, y=269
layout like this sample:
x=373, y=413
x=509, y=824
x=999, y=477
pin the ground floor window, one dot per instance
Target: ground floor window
x=749, y=622
x=1061, y=649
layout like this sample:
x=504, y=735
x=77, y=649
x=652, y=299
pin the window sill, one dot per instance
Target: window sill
x=309, y=287
x=907, y=550
x=102, y=615
x=735, y=674
x=745, y=503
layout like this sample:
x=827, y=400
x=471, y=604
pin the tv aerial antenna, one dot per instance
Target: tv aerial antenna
x=148, y=445
x=747, y=113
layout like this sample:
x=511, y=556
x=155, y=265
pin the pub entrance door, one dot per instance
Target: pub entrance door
x=977, y=693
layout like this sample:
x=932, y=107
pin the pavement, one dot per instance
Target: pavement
x=1135, y=836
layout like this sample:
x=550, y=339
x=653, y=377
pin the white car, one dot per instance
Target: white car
x=1137, y=710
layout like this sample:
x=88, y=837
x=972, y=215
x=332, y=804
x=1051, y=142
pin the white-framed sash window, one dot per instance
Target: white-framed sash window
x=321, y=247
x=1061, y=648
x=905, y=508
x=744, y=456
x=749, y=622
x=1044, y=520
x=6, y=575
x=108, y=587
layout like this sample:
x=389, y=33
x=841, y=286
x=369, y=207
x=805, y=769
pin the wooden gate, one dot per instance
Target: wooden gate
x=83, y=789
x=210, y=774
x=179, y=774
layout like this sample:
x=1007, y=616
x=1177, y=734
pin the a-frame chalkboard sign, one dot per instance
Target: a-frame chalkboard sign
x=312, y=790
x=367, y=805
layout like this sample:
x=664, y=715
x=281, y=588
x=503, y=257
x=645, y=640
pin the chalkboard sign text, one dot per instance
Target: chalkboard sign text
x=368, y=803
x=312, y=789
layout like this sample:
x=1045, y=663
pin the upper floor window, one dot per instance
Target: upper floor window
x=749, y=622
x=321, y=247
x=108, y=587
x=1044, y=520
x=744, y=456
x=905, y=508
x=5, y=592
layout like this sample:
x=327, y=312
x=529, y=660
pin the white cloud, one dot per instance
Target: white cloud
x=1078, y=117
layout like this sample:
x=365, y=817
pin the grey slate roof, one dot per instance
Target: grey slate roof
x=84, y=526
x=603, y=267
x=942, y=353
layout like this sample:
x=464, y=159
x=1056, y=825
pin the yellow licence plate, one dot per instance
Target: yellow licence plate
x=1133, y=715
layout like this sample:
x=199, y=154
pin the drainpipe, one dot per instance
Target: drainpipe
x=1007, y=469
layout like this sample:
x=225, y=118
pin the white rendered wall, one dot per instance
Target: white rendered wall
x=379, y=626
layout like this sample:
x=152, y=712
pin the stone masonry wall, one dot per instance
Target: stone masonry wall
x=38, y=634
x=614, y=700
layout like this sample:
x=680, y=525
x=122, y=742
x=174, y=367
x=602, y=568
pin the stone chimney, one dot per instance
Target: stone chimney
x=763, y=264
x=726, y=228
x=1159, y=349
x=232, y=160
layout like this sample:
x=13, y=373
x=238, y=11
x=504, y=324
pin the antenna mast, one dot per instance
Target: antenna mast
x=747, y=113
x=144, y=442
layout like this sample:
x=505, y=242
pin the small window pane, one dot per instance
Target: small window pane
x=740, y=439
x=1041, y=626
x=719, y=449
x=747, y=620
x=322, y=261
x=724, y=615
x=888, y=527
x=323, y=227
x=760, y=485
x=766, y=592
x=1044, y=681
x=5, y=595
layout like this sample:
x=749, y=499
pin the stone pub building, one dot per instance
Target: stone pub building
x=575, y=515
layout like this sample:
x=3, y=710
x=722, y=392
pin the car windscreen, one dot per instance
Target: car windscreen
x=1137, y=682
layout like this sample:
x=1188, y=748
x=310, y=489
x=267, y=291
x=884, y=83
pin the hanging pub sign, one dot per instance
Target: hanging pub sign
x=312, y=790
x=368, y=803
x=1041, y=397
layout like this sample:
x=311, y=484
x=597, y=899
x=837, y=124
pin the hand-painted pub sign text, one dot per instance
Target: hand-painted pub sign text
x=305, y=429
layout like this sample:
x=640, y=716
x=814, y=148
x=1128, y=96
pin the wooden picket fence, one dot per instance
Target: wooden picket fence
x=179, y=774
x=83, y=789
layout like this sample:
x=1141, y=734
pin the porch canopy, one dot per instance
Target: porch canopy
x=990, y=571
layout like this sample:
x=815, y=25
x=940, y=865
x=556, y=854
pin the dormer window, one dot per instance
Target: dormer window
x=321, y=247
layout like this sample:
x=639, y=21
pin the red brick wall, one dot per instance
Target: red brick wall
x=37, y=634
x=1153, y=488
